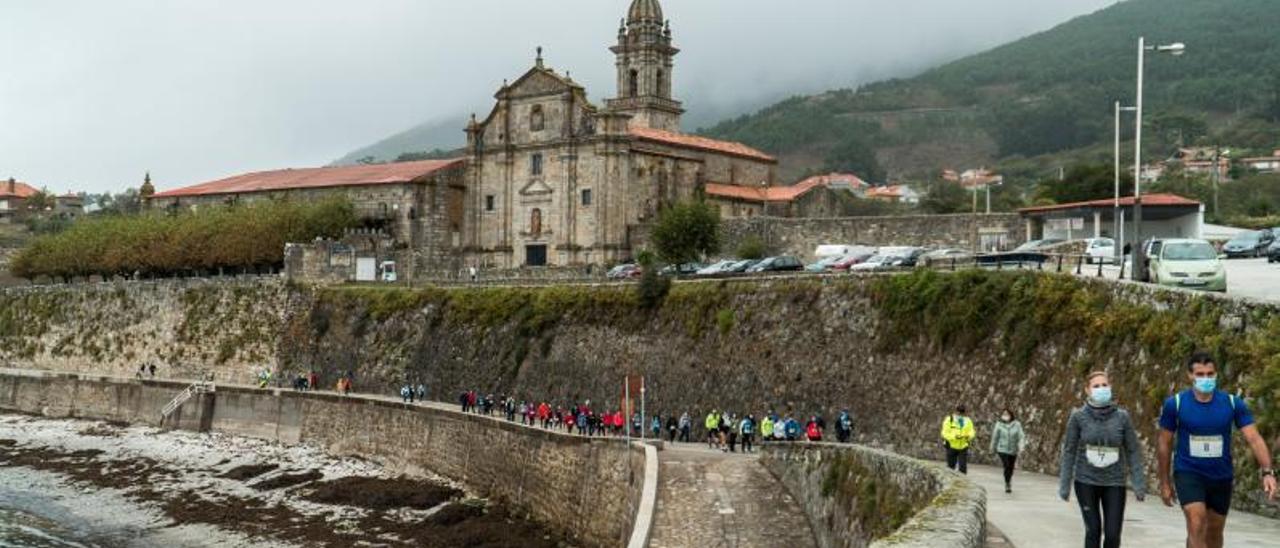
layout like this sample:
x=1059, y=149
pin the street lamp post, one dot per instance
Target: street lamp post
x=1140, y=258
x=1117, y=216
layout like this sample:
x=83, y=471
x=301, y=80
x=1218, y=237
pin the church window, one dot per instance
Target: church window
x=488, y=202
x=586, y=197
x=535, y=222
x=455, y=235
x=536, y=122
x=535, y=166
x=658, y=84
x=633, y=84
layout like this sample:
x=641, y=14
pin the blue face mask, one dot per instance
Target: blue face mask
x=1101, y=395
x=1205, y=385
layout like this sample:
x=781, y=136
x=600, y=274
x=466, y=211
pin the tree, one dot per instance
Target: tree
x=946, y=197
x=854, y=155
x=1084, y=182
x=686, y=232
x=42, y=200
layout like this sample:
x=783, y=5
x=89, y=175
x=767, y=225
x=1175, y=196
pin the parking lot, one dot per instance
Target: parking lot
x=1250, y=278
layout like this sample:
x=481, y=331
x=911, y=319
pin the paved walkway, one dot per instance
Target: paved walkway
x=1034, y=517
x=711, y=499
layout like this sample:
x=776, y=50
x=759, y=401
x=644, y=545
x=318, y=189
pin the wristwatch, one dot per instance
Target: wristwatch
x=1268, y=472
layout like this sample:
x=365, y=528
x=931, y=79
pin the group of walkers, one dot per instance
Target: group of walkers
x=1102, y=456
x=577, y=417
x=726, y=431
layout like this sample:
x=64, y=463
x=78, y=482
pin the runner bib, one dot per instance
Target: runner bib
x=1206, y=447
x=1102, y=457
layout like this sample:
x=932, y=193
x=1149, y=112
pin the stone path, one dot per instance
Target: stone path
x=1034, y=517
x=711, y=499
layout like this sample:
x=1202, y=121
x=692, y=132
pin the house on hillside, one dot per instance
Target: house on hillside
x=973, y=178
x=13, y=199
x=1263, y=164
x=898, y=194
x=1202, y=161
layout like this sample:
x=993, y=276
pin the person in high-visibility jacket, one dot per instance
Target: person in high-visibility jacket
x=712, y=425
x=766, y=429
x=957, y=432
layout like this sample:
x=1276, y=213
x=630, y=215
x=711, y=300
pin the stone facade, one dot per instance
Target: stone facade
x=536, y=472
x=555, y=180
x=800, y=237
x=856, y=497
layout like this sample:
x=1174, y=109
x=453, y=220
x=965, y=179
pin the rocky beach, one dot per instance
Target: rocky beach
x=68, y=482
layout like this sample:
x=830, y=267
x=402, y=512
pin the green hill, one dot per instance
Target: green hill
x=1046, y=99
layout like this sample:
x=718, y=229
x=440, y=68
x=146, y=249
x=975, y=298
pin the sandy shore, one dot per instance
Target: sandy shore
x=103, y=484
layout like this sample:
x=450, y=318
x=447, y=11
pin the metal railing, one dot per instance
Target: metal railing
x=198, y=387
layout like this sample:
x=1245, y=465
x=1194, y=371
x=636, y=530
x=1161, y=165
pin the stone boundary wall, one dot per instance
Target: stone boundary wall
x=799, y=237
x=533, y=471
x=853, y=494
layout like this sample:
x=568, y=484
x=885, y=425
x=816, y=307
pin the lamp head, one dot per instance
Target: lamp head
x=1177, y=48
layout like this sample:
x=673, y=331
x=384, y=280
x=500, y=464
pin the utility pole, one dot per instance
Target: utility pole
x=1139, y=257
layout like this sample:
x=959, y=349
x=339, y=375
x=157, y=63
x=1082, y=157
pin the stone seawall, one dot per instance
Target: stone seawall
x=856, y=497
x=898, y=351
x=588, y=488
x=799, y=237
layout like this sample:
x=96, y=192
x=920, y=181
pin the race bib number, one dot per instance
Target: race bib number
x=1102, y=457
x=1206, y=447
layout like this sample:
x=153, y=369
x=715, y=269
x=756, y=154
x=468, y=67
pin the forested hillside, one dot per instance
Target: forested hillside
x=1048, y=96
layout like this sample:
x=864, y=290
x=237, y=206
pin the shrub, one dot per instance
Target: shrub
x=751, y=248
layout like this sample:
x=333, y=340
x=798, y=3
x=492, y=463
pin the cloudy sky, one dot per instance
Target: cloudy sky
x=94, y=93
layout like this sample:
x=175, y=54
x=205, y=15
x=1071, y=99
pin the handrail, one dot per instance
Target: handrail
x=198, y=387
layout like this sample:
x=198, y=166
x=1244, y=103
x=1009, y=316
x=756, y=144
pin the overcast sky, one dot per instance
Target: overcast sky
x=94, y=93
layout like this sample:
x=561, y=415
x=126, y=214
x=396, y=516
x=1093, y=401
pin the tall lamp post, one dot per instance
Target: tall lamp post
x=1140, y=258
x=1117, y=216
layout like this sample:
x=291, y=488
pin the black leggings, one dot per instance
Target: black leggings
x=1008, y=461
x=958, y=459
x=1103, y=511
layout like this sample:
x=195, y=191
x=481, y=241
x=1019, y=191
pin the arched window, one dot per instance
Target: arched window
x=535, y=222
x=659, y=84
x=633, y=84
x=536, y=121
x=535, y=164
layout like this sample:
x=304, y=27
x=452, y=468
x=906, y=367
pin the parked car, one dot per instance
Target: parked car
x=624, y=271
x=1273, y=252
x=1100, y=250
x=716, y=268
x=1035, y=245
x=782, y=263
x=945, y=256
x=824, y=264
x=1248, y=244
x=740, y=266
x=850, y=260
x=910, y=257
x=1187, y=263
x=833, y=250
x=686, y=269
x=879, y=262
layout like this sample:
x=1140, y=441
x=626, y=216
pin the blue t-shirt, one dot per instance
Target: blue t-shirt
x=1209, y=426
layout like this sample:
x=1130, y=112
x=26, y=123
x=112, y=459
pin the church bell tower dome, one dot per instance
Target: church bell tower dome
x=645, y=11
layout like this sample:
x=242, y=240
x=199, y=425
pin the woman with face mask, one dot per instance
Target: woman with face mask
x=1100, y=441
x=1007, y=441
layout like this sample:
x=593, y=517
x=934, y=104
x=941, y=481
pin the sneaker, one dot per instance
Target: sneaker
x=1008, y=488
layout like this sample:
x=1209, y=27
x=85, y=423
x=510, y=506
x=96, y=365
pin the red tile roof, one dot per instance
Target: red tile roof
x=701, y=143
x=1148, y=200
x=767, y=194
x=850, y=179
x=317, y=177
x=889, y=191
x=20, y=189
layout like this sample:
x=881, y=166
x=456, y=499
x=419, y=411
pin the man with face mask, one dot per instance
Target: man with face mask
x=1200, y=420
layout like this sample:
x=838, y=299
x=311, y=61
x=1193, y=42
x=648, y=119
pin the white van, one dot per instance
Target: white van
x=834, y=250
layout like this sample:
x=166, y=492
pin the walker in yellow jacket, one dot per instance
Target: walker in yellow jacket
x=958, y=432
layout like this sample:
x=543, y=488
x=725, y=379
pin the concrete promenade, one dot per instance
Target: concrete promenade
x=1034, y=517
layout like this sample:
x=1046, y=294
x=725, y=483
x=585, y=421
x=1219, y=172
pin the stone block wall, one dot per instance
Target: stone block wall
x=800, y=236
x=588, y=488
x=856, y=497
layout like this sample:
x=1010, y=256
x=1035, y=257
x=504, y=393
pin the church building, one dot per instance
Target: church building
x=553, y=179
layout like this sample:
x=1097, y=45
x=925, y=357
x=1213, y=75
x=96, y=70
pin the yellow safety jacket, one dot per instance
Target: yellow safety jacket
x=957, y=431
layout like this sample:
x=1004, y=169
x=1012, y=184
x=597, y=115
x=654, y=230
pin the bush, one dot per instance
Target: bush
x=653, y=288
x=239, y=237
x=686, y=231
x=752, y=248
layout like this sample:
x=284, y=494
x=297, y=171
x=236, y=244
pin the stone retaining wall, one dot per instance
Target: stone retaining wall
x=856, y=497
x=800, y=237
x=589, y=488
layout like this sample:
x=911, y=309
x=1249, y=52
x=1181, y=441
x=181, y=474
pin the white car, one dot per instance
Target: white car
x=717, y=268
x=1100, y=250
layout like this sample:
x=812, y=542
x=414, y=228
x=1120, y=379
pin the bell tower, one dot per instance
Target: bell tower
x=645, y=58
